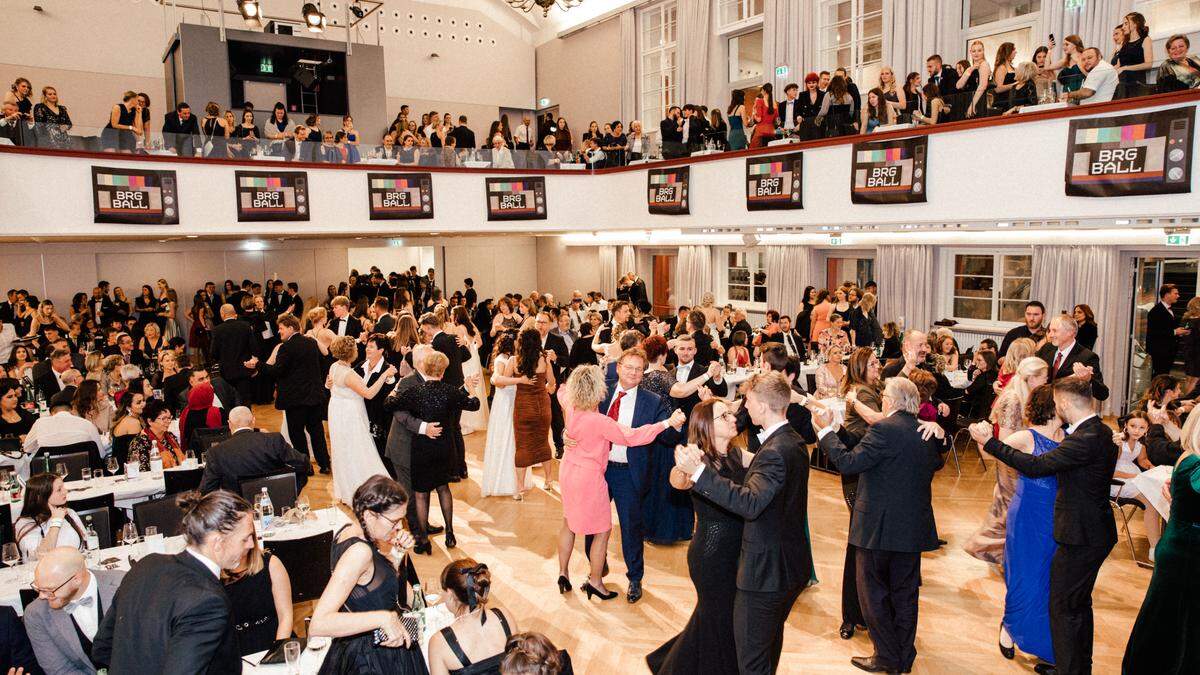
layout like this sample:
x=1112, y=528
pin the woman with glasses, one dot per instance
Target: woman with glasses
x=156, y=433
x=358, y=605
x=46, y=522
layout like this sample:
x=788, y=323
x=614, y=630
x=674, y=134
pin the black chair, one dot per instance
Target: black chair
x=203, y=439
x=307, y=562
x=7, y=534
x=281, y=487
x=76, y=462
x=161, y=513
x=101, y=501
x=89, y=447
x=120, y=448
x=28, y=595
x=102, y=521
x=182, y=480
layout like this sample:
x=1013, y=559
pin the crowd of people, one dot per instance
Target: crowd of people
x=612, y=403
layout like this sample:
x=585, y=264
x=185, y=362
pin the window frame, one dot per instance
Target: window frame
x=722, y=272
x=731, y=85
x=668, y=88
x=948, y=275
x=858, y=18
x=744, y=22
x=1144, y=6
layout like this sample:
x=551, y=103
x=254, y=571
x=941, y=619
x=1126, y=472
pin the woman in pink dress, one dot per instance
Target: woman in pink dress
x=820, y=315
x=586, y=508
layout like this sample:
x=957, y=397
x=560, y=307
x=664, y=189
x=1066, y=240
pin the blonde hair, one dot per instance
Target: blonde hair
x=586, y=388
x=1017, y=352
x=434, y=364
x=1189, y=438
x=771, y=388
x=343, y=348
x=316, y=314
x=254, y=564
x=867, y=303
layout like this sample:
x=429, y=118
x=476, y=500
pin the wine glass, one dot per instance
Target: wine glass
x=60, y=469
x=303, y=505
x=11, y=555
x=129, y=534
x=291, y=654
x=113, y=465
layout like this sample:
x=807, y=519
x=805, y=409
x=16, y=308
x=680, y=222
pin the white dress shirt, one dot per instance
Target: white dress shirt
x=61, y=428
x=762, y=438
x=1072, y=427
x=341, y=326
x=620, y=453
x=787, y=113
x=522, y=134
x=1102, y=80
x=789, y=344
x=8, y=335
x=208, y=563
x=87, y=614
x=683, y=371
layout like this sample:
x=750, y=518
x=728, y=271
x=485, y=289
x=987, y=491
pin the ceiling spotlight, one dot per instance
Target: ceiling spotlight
x=251, y=12
x=357, y=10
x=313, y=18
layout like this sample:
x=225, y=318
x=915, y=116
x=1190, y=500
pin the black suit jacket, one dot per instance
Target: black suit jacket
x=1078, y=354
x=170, y=615
x=136, y=357
x=688, y=402
x=353, y=326
x=562, y=355
x=773, y=499
x=946, y=81
x=250, y=453
x=637, y=293
x=307, y=153
x=297, y=372
x=44, y=380
x=385, y=324
x=15, y=648
x=1084, y=464
x=1161, y=342
x=233, y=342
x=798, y=417
x=448, y=345
x=464, y=137
x=471, y=297
x=180, y=135
x=893, y=509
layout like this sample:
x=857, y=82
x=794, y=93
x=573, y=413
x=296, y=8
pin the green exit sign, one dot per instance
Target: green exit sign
x=1074, y=5
x=266, y=65
x=1179, y=240
x=835, y=240
x=781, y=71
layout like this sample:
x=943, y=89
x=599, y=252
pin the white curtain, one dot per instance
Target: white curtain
x=628, y=261
x=789, y=270
x=693, y=275
x=905, y=275
x=783, y=24
x=1065, y=276
x=694, y=28
x=608, y=270
x=629, y=59
x=913, y=30
x=1093, y=23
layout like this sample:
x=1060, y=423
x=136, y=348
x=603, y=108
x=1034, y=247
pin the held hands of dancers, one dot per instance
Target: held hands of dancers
x=931, y=429
x=981, y=432
x=676, y=419
x=688, y=458
x=822, y=417
x=1081, y=371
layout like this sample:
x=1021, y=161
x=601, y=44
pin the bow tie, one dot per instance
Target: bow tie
x=85, y=601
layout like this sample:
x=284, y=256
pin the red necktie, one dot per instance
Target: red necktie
x=1058, y=359
x=614, y=410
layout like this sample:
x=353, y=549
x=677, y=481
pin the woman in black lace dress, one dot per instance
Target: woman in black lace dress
x=260, y=594
x=367, y=592
x=705, y=645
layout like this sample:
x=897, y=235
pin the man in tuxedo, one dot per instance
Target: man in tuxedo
x=1163, y=331
x=559, y=356
x=171, y=613
x=1035, y=314
x=250, y=453
x=789, y=109
x=8, y=308
x=621, y=312
x=470, y=297
x=463, y=136
x=946, y=80
x=776, y=560
x=774, y=360
x=300, y=389
x=71, y=602
x=893, y=520
x=1083, y=522
x=277, y=301
x=637, y=293
x=384, y=321
x=299, y=148
x=180, y=130
x=431, y=327
x=692, y=132
x=371, y=369
x=124, y=349
x=343, y=322
x=232, y=348
x=50, y=380
x=102, y=307
x=787, y=336
x=1066, y=357
x=691, y=380
x=295, y=302
x=670, y=134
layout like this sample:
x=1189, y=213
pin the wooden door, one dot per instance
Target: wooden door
x=664, y=277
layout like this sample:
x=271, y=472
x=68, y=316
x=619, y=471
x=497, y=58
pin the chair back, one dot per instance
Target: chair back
x=76, y=462
x=204, y=438
x=307, y=562
x=102, y=521
x=161, y=513
x=120, y=447
x=182, y=480
x=7, y=534
x=100, y=501
x=28, y=595
x=281, y=487
x=89, y=447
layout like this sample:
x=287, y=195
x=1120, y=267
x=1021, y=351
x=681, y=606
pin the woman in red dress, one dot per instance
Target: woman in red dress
x=764, y=117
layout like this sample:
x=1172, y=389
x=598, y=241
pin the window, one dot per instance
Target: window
x=736, y=11
x=851, y=34
x=746, y=277
x=745, y=58
x=994, y=22
x=1168, y=17
x=979, y=12
x=991, y=287
x=659, y=63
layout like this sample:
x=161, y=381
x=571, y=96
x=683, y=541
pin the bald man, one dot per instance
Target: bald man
x=233, y=346
x=71, y=601
x=249, y=453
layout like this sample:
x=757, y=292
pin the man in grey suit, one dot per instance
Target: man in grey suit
x=71, y=601
x=398, y=451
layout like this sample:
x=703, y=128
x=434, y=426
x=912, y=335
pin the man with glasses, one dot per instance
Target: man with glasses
x=71, y=601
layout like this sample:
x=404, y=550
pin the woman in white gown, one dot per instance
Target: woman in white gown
x=352, y=449
x=500, y=450
x=472, y=420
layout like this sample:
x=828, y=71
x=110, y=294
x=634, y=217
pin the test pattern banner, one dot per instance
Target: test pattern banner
x=667, y=191
x=272, y=195
x=134, y=196
x=516, y=198
x=775, y=182
x=889, y=172
x=1145, y=154
x=400, y=196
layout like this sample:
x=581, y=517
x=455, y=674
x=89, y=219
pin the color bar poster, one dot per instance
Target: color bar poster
x=667, y=191
x=272, y=195
x=1144, y=154
x=775, y=182
x=516, y=198
x=889, y=172
x=134, y=196
x=400, y=196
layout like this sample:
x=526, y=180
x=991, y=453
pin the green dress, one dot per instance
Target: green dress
x=1166, y=635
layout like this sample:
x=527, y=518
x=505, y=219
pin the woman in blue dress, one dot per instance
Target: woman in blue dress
x=1029, y=540
x=737, y=119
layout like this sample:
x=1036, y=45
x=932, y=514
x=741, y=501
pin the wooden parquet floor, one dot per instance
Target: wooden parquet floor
x=961, y=597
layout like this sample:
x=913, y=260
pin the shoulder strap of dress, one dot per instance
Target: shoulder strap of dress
x=503, y=623
x=452, y=643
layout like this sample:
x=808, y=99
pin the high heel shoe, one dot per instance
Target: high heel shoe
x=451, y=542
x=424, y=547
x=1006, y=652
x=591, y=590
x=564, y=584
x=846, y=631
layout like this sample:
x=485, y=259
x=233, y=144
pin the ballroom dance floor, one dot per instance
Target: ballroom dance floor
x=961, y=599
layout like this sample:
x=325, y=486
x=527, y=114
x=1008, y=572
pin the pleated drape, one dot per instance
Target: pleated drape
x=693, y=274
x=906, y=278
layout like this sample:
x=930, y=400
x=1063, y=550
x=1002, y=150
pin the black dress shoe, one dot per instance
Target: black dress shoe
x=564, y=584
x=871, y=665
x=326, y=470
x=941, y=542
x=451, y=542
x=635, y=592
x=1045, y=669
x=1007, y=652
x=435, y=529
x=591, y=590
x=423, y=548
x=846, y=631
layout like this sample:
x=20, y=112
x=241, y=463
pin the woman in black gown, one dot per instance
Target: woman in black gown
x=705, y=645
x=368, y=590
x=260, y=594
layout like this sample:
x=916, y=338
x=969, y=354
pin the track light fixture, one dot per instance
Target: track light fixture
x=313, y=18
x=357, y=10
x=251, y=12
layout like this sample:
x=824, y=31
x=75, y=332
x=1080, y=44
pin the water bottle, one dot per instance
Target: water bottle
x=14, y=488
x=93, y=539
x=268, y=509
x=42, y=407
x=156, y=464
x=133, y=465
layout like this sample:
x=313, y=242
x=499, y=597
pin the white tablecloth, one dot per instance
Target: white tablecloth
x=1150, y=484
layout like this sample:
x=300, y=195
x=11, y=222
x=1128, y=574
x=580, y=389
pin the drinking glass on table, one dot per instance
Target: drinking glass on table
x=129, y=534
x=11, y=555
x=291, y=655
x=60, y=469
x=113, y=465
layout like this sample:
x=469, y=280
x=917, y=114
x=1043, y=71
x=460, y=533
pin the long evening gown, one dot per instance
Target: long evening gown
x=351, y=446
x=1166, y=635
x=531, y=423
x=1028, y=547
x=987, y=543
x=666, y=512
x=475, y=420
x=706, y=643
x=500, y=449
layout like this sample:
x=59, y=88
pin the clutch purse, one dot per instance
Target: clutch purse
x=275, y=653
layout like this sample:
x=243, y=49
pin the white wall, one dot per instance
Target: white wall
x=390, y=258
x=564, y=269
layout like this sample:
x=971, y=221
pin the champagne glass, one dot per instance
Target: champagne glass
x=129, y=534
x=113, y=465
x=291, y=654
x=11, y=555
